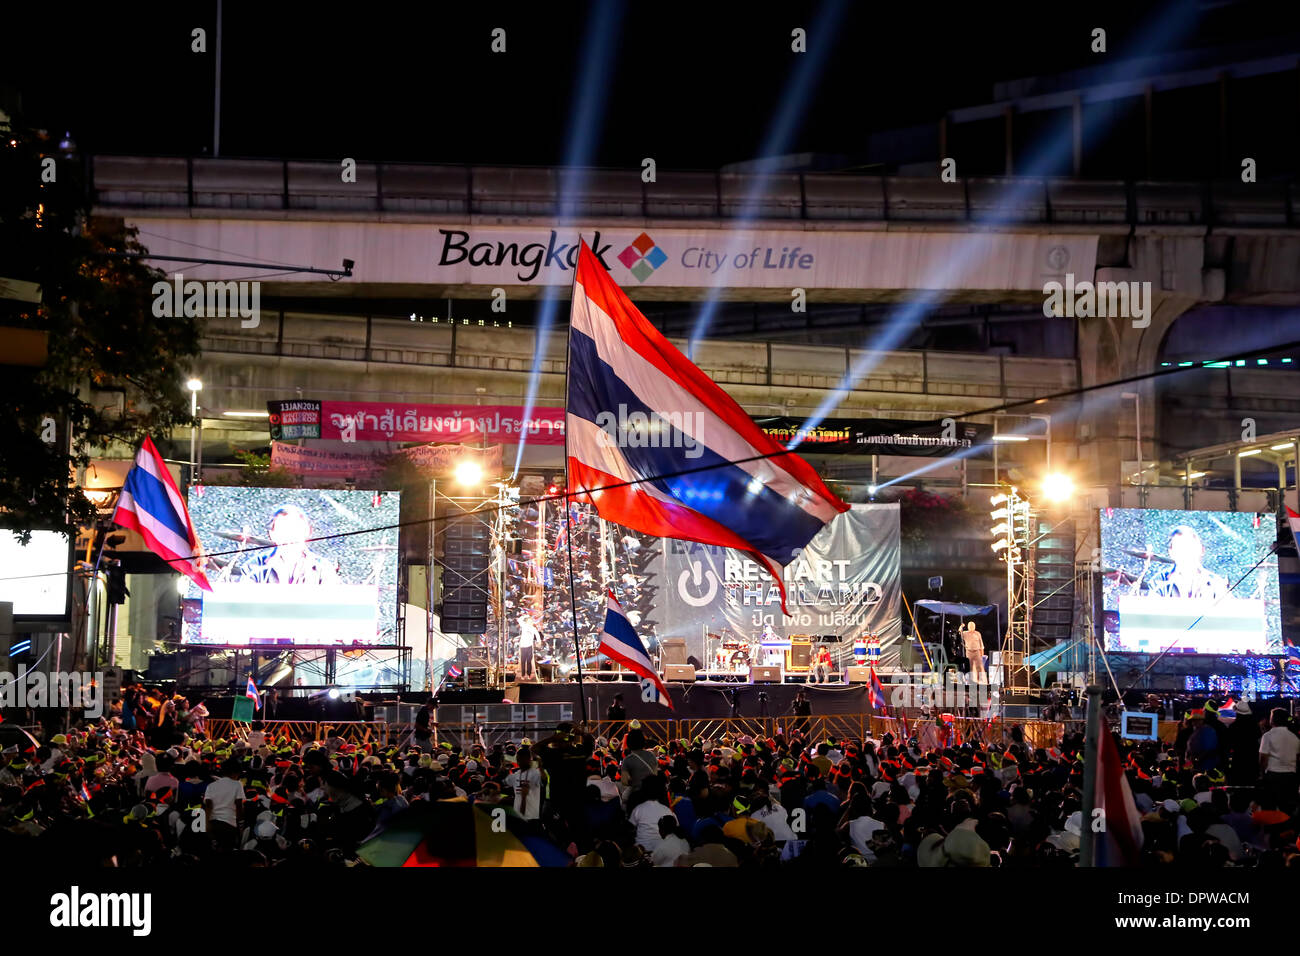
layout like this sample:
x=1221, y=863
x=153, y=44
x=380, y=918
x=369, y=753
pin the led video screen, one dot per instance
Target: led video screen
x=294, y=567
x=1190, y=582
x=34, y=576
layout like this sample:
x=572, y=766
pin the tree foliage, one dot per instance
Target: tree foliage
x=115, y=372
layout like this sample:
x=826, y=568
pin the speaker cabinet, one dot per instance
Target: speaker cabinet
x=684, y=673
x=798, y=657
x=765, y=675
x=857, y=675
x=674, y=650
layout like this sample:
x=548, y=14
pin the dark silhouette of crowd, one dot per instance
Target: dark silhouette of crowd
x=1222, y=793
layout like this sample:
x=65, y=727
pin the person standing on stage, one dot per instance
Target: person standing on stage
x=528, y=636
x=974, y=642
x=822, y=666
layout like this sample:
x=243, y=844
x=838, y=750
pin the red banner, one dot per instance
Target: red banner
x=386, y=421
x=366, y=469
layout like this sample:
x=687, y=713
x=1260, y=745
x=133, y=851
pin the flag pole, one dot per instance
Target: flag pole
x=568, y=536
x=1091, y=759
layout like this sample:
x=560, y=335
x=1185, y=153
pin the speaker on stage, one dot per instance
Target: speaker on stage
x=857, y=675
x=674, y=650
x=765, y=674
x=684, y=673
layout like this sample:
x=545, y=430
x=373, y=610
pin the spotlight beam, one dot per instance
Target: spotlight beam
x=604, y=29
x=800, y=87
x=1170, y=25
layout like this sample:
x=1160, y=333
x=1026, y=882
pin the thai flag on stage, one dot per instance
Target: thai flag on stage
x=253, y=694
x=641, y=416
x=619, y=642
x=877, y=694
x=151, y=504
x=1120, y=844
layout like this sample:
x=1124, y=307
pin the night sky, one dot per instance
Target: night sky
x=694, y=85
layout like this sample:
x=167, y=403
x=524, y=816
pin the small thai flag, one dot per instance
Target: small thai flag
x=252, y=694
x=619, y=642
x=85, y=792
x=877, y=694
x=454, y=672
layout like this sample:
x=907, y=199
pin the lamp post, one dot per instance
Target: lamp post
x=195, y=386
x=1137, y=425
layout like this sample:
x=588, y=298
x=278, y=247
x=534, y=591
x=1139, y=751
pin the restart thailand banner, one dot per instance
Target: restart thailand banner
x=846, y=583
x=391, y=421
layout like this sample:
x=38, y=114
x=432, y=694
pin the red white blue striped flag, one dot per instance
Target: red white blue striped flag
x=689, y=460
x=619, y=642
x=151, y=504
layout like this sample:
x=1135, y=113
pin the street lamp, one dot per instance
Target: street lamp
x=1058, y=487
x=1137, y=427
x=195, y=386
x=469, y=473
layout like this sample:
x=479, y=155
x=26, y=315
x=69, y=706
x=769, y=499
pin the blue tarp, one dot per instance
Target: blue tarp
x=957, y=610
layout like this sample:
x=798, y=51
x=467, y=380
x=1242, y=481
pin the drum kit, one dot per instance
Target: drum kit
x=736, y=656
x=732, y=656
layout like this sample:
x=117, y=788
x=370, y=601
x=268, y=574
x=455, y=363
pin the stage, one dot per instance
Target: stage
x=701, y=699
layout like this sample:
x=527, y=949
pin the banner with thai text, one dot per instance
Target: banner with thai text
x=392, y=421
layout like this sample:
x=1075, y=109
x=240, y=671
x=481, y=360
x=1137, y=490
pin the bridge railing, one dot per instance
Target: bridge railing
x=139, y=182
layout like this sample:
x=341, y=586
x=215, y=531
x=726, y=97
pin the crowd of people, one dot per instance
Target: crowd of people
x=1223, y=793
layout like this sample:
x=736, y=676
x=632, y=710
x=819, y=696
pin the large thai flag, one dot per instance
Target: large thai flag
x=1293, y=520
x=1120, y=844
x=253, y=694
x=684, y=459
x=619, y=642
x=151, y=504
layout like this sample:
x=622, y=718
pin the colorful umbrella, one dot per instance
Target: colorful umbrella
x=445, y=833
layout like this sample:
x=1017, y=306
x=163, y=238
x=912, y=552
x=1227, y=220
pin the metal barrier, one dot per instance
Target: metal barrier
x=1037, y=733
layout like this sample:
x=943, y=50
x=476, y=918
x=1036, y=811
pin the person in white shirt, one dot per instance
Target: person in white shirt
x=647, y=814
x=671, y=842
x=1278, y=750
x=770, y=813
x=528, y=637
x=222, y=800
x=527, y=783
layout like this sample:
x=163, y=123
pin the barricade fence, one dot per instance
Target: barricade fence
x=1037, y=733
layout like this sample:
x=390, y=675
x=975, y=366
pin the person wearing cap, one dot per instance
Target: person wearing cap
x=526, y=782
x=639, y=765
x=1243, y=746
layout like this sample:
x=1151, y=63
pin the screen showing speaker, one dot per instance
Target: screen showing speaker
x=1190, y=582
x=294, y=566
